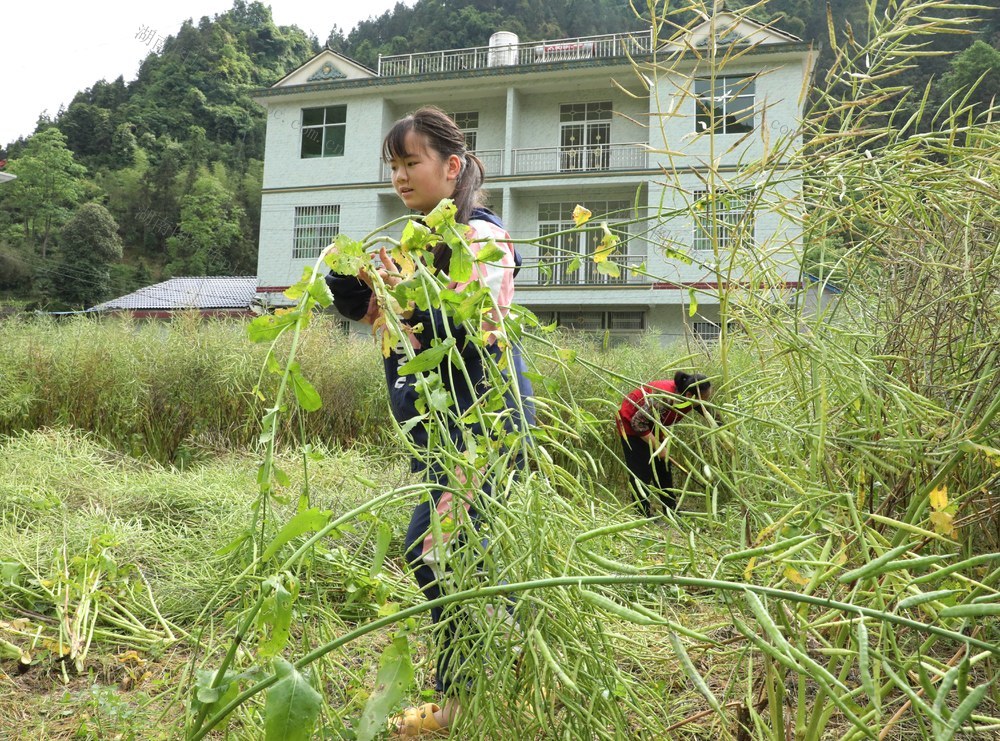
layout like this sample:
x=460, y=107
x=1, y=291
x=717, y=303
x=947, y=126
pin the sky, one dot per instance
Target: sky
x=49, y=51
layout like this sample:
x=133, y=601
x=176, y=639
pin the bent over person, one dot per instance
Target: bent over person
x=641, y=420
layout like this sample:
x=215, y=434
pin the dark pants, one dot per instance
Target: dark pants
x=646, y=474
x=444, y=619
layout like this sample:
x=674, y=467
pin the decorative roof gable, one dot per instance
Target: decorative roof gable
x=727, y=29
x=326, y=66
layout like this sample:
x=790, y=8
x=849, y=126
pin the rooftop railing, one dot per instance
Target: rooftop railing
x=509, y=55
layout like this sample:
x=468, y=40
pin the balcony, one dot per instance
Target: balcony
x=492, y=160
x=507, y=55
x=552, y=271
x=598, y=157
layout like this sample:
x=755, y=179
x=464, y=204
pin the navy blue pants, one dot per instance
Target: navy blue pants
x=418, y=542
x=647, y=474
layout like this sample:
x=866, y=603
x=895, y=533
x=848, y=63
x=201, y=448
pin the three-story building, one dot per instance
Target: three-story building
x=660, y=140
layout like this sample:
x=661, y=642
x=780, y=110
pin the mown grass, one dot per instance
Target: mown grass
x=62, y=492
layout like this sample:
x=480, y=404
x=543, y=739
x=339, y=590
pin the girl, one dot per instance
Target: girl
x=429, y=162
x=643, y=415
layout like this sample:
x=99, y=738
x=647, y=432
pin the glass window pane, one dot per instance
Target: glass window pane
x=334, y=141
x=312, y=142
x=336, y=114
x=312, y=116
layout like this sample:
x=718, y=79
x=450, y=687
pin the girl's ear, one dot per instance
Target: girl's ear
x=454, y=167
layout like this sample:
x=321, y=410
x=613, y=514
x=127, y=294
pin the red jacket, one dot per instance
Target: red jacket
x=646, y=404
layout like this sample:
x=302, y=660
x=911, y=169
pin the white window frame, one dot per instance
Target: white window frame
x=730, y=111
x=314, y=227
x=324, y=131
x=468, y=123
x=579, y=243
x=600, y=320
x=709, y=332
x=729, y=214
x=593, y=122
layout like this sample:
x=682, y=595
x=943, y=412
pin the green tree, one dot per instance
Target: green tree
x=211, y=239
x=89, y=246
x=978, y=61
x=49, y=185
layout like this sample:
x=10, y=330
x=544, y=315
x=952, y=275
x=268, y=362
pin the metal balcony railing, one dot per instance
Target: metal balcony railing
x=508, y=55
x=598, y=157
x=492, y=160
x=554, y=271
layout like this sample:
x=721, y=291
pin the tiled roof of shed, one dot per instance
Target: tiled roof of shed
x=204, y=292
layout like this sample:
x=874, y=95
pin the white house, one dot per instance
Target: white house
x=658, y=139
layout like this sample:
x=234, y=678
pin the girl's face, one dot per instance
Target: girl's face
x=421, y=176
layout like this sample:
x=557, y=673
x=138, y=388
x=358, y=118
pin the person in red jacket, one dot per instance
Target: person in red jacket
x=641, y=420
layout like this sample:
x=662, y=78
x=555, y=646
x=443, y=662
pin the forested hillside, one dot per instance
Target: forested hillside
x=174, y=157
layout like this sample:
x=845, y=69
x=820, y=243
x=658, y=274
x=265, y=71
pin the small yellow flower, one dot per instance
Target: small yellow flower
x=581, y=215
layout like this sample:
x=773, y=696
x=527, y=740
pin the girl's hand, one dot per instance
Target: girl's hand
x=389, y=273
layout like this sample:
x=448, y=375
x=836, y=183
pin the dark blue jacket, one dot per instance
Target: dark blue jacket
x=351, y=298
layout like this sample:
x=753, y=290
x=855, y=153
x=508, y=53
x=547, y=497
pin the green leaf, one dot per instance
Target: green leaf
x=427, y=359
x=609, y=268
x=281, y=477
x=460, y=268
x=490, y=252
x=291, y=707
x=416, y=236
x=305, y=394
x=692, y=302
x=297, y=291
x=275, y=618
x=574, y=265
x=268, y=327
x=669, y=253
x=395, y=675
x=381, y=548
x=349, y=257
x=320, y=291
x=472, y=304
x=306, y=521
x=442, y=214
x=439, y=399
x=219, y=695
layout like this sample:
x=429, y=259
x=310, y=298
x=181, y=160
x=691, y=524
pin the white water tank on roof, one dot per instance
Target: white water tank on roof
x=503, y=49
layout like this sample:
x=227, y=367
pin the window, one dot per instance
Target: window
x=315, y=227
x=710, y=331
x=595, y=321
x=724, y=105
x=725, y=219
x=323, y=131
x=469, y=124
x=557, y=252
x=585, y=136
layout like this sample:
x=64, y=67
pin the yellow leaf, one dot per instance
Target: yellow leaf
x=581, y=215
x=939, y=498
x=748, y=571
x=795, y=577
x=128, y=656
x=407, y=267
x=607, y=245
x=942, y=522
